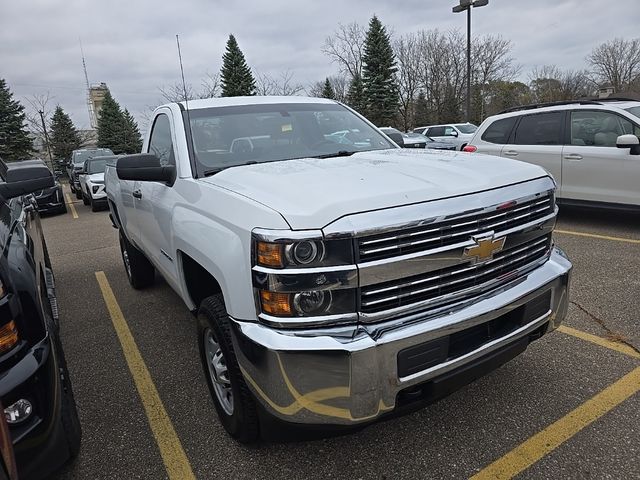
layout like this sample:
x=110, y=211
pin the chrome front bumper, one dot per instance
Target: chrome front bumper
x=349, y=375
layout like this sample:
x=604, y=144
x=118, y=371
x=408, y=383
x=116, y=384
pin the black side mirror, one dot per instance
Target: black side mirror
x=144, y=167
x=396, y=137
x=22, y=178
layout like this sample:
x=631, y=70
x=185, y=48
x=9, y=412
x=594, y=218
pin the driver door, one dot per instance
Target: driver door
x=153, y=201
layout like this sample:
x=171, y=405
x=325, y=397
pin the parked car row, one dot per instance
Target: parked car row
x=76, y=166
x=416, y=140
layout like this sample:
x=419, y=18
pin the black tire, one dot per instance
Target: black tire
x=138, y=268
x=85, y=200
x=242, y=423
x=94, y=206
x=63, y=208
x=69, y=412
x=78, y=194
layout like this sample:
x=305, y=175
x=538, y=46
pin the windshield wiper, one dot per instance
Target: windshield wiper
x=341, y=153
x=213, y=171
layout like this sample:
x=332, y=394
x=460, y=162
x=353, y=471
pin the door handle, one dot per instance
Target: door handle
x=137, y=194
x=511, y=153
x=573, y=157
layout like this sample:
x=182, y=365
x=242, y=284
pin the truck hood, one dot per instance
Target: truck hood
x=96, y=177
x=310, y=193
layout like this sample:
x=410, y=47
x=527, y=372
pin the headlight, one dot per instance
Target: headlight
x=294, y=253
x=302, y=279
x=312, y=303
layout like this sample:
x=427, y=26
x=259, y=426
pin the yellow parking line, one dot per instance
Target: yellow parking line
x=544, y=442
x=173, y=456
x=603, y=342
x=71, y=206
x=601, y=237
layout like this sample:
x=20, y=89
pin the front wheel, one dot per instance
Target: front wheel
x=231, y=397
x=78, y=194
x=139, y=269
x=85, y=200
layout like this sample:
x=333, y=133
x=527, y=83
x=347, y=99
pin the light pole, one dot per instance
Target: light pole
x=466, y=5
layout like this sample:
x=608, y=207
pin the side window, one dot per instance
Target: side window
x=540, y=129
x=448, y=131
x=436, y=132
x=498, y=131
x=160, y=143
x=598, y=128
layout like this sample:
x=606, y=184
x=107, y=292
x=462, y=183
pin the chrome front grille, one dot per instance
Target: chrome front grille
x=456, y=283
x=444, y=232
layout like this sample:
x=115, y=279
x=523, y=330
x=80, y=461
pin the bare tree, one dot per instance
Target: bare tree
x=616, y=63
x=490, y=59
x=176, y=92
x=339, y=83
x=283, y=84
x=549, y=83
x=408, y=61
x=35, y=104
x=211, y=86
x=442, y=72
x=346, y=47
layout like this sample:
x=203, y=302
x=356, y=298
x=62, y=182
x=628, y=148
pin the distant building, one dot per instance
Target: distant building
x=606, y=91
x=96, y=97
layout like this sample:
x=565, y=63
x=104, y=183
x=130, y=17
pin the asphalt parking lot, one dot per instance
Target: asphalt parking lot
x=567, y=408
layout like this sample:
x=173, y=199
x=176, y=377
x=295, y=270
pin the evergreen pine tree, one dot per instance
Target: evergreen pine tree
x=327, y=90
x=355, y=96
x=64, y=136
x=379, y=75
x=421, y=111
x=235, y=74
x=111, y=125
x=132, y=141
x=15, y=143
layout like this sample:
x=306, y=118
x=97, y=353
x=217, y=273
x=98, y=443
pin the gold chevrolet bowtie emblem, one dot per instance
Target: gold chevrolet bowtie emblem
x=484, y=249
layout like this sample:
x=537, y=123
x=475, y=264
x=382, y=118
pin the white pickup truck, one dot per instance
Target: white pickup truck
x=336, y=278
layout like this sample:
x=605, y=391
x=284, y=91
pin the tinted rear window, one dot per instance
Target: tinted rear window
x=540, y=129
x=498, y=131
x=436, y=132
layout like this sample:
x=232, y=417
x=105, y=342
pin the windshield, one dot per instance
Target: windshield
x=96, y=165
x=467, y=128
x=634, y=111
x=81, y=156
x=229, y=136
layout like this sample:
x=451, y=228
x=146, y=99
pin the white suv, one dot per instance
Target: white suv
x=91, y=179
x=590, y=147
x=457, y=133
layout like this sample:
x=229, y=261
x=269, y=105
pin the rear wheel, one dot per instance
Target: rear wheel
x=139, y=269
x=231, y=397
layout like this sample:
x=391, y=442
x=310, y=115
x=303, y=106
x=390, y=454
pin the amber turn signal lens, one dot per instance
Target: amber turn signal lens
x=275, y=303
x=8, y=336
x=270, y=254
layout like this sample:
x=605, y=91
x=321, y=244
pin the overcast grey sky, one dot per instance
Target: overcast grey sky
x=130, y=45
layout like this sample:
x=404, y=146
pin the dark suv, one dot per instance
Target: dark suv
x=35, y=388
x=75, y=165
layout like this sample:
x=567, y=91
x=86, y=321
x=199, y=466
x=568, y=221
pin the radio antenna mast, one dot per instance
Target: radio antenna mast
x=92, y=113
x=186, y=103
